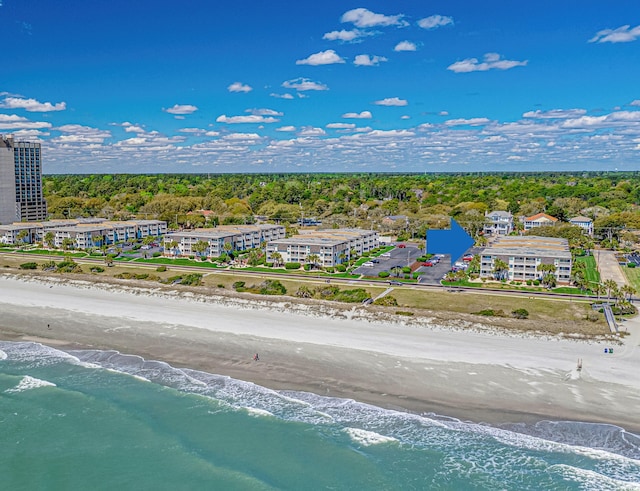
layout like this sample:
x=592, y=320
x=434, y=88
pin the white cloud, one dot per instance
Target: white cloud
x=467, y=122
x=193, y=131
x=242, y=136
x=212, y=133
x=311, y=131
x=623, y=34
x=443, y=113
x=345, y=35
x=635, y=103
x=11, y=118
x=555, y=114
x=405, y=46
x=281, y=96
x=253, y=118
x=434, y=21
x=491, y=61
x=76, y=133
x=391, y=101
x=361, y=115
x=303, y=84
x=366, y=60
x=328, y=57
x=181, y=109
x=130, y=128
x=264, y=112
x=32, y=105
x=341, y=126
x=239, y=87
x=390, y=133
x=365, y=18
x=405, y=117
x=286, y=128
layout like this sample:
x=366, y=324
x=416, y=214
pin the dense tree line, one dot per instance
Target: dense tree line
x=426, y=200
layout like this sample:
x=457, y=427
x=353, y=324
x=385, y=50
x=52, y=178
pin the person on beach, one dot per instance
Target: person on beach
x=256, y=357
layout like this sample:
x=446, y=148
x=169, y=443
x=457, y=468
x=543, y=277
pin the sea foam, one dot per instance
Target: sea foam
x=28, y=383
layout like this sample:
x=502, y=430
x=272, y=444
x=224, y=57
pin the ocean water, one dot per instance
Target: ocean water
x=101, y=420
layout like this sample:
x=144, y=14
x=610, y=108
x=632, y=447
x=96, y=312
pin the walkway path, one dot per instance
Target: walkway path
x=609, y=268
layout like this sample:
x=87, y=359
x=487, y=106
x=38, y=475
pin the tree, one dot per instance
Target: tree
x=49, y=239
x=629, y=291
x=313, y=260
x=68, y=243
x=548, y=275
x=610, y=286
x=173, y=246
x=22, y=235
x=500, y=269
x=200, y=248
x=276, y=257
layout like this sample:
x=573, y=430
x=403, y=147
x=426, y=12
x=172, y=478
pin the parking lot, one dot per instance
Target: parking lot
x=398, y=257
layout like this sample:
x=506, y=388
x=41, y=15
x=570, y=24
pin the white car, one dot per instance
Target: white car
x=368, y=264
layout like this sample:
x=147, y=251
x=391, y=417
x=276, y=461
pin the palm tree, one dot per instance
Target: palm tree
x=500, y=269
x=610, y=286
x=599, y=289
x=23, y=234
x=313, y=259
x=49, y=239
x=200, y=248
x=629, y=291
x=277, y=258
x=173, y=246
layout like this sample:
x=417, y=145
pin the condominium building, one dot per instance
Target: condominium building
x=331, y=247
x=21, y=196
x=524, y=255
x=498, y=223
x=81, y=233
x=221, y=239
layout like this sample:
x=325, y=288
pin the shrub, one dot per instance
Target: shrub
x=529, y=282
x=536, y=282
x=69, y=266
x=239, y=286
x=307, y=267
x=192, y=257
x=220, y=285
x=97, y=269
x=406, y=270
x=141, y=276
x=29, y=266
x=520, y=313
x=383, y=274
x=272, y=287
x=403, y=312
x=491, y=313
x=387, y=301
x=330, y=269
x=194, y=279
x=292, y=266
x=357, y=295
x=48, y=266
x=631, y=265
x=341, y=268
x=161, y=269
x=156, y=254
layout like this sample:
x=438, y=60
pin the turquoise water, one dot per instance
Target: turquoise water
x=101, y=420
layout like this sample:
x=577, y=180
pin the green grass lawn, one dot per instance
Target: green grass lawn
x=592, y=273
x=46, y=252
x=633, y=275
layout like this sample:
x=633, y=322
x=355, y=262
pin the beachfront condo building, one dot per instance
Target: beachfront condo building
x=538, y=220
x=21, y=198
x=220, y=240
x=524, y=255
x=326, y=247
x=81, y=233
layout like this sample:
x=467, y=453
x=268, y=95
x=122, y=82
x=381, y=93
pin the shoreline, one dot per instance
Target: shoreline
x=467, y=373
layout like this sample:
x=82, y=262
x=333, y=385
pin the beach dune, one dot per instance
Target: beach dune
x=469, y=373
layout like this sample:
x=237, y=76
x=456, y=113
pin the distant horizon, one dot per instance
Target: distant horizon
x=333, y=87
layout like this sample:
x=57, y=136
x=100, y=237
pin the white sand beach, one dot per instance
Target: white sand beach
x=470, y=373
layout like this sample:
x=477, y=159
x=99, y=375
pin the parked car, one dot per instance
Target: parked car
x=385, y=254
x=395, y=283
x=368, y=264
x=468, y=257
x=428, y=264
x=375, y=261
x=402, y=246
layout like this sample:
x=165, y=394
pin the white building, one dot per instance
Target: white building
x=221, y=239
x=331, y=247
x=524, y=254
x=538, y=220
x=498, y=223
x=583, y=222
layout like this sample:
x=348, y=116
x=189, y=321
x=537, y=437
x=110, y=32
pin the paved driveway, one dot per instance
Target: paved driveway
x=609, y=267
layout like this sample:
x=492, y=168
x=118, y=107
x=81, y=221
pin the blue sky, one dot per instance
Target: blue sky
x=332, y=86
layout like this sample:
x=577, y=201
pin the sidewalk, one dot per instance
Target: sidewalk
x=609, y=268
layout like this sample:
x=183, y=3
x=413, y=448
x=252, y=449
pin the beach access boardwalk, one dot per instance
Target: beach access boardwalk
x=608, y=315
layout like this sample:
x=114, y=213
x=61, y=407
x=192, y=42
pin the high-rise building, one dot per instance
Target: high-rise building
x=21, y=196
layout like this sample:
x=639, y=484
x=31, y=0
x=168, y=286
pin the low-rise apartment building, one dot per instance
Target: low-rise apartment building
x=83, y=232
x=524, y=254
x=221, y=239
x=331, y=247
x=498, y=223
